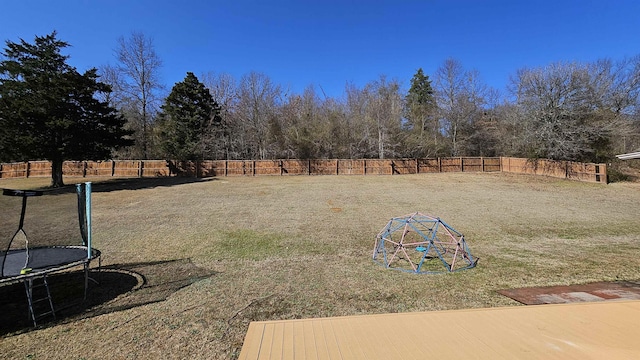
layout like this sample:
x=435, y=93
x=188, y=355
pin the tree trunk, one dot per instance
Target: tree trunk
x=144, y=127
x=56, y=173
x=380, y=144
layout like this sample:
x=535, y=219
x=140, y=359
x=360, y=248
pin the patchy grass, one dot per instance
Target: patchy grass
x=218, y=253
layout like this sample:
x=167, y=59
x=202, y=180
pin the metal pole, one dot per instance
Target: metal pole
x=88, y=215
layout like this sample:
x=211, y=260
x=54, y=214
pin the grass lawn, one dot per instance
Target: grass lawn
x=218, y=253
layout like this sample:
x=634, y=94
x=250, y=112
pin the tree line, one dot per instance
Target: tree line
x=563, y=111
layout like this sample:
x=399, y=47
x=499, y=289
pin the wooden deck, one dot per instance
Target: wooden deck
x=602, y=330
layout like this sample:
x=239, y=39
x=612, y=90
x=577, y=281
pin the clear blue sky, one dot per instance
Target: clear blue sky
x=330, y=42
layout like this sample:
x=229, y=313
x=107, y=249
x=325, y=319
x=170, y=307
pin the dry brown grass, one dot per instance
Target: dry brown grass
x=222, y=252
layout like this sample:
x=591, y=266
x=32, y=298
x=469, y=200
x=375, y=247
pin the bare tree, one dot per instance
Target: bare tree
x=287, y=131
x=258, y=98
x=298, y=130
x=385, y=112
x=509, y=137
x=616, y=86
x=136, y=84
x=573, y=111
x=333, y=131
x=224, y=90
x=111, y=76
x=461, y=96
x=480, y=126
x=360, y=133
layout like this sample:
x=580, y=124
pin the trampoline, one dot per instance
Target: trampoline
x=44, y=232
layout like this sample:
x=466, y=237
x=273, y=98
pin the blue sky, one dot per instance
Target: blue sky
x=329, y=43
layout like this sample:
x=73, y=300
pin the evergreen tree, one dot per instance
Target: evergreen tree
x=420, y=108
x=189, y=116
x=50, y=111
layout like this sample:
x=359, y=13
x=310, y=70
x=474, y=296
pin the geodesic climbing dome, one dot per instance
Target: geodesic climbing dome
x=423, y=244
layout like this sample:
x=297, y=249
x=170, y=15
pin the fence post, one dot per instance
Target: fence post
x=113, y=168
x=84, y=168
x=337, y=166
x=417, y=166
x=364, y=167
x=309, y=167
x=1, y=170
x=26, y=173
x=139, y=168
x=482, y=162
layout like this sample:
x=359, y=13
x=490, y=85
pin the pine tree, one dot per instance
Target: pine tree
x=189, y=116
x=420, y=112
x=50, y=111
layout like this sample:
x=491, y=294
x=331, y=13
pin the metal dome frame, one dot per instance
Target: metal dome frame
x=415, y=242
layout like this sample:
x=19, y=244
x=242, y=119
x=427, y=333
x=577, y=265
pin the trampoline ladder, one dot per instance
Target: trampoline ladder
x=35, y=300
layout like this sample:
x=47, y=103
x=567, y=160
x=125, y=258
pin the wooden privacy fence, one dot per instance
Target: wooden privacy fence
x=560, y=169
x=208, y=168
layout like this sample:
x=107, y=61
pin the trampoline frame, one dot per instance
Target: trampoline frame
x=29, y=275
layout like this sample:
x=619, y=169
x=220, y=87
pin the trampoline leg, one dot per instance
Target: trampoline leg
x=87, y=269
x=86, y=279
x=28, y=286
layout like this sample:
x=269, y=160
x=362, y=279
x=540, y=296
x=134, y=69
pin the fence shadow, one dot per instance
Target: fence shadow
x=116, y=287
x=117, y=184
x=145, y=183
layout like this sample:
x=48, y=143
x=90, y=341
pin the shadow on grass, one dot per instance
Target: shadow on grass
x=117, y=184
x=145, y=183
x=115, y=288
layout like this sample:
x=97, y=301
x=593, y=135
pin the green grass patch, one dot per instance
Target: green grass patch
x=248, y=244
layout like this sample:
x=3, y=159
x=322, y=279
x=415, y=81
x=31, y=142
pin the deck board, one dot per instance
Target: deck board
x=598, y=330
